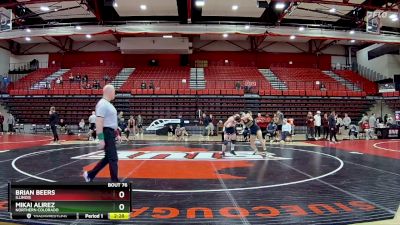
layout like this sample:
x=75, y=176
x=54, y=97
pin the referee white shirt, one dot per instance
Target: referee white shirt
x=106, y=110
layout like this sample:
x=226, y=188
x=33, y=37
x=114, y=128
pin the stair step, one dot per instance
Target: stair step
x=273, y=80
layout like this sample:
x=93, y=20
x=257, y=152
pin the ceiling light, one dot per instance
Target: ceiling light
x=292, y=37
x=78, y=27
x=28, y=30
x=199, y=3
x=44, y=8
x=88, y=36
x=352, y=32
x=235, y=7
x=395, y=19
x=143, y=7
x=247, y=27
x=352, y=41
x=28, y=39
x=115, y=4
x=332, y=10
x=225, y=35
x=55, y=10
x=167, y=36
x=301, y=28
x=279, y=5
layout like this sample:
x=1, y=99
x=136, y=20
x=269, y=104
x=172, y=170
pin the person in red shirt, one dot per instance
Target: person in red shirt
x=369, y=133
x=310, y=126
x=262, y=122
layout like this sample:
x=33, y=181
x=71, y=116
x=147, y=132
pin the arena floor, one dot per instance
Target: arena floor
x=187, y=182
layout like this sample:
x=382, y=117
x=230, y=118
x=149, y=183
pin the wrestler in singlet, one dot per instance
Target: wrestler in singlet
x=230, y=133
x=255, y=133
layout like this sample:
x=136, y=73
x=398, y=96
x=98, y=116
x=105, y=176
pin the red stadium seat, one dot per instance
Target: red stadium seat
x=229, y=92
x=217, y=92
x=261, y=92
x=224, y=92
x=181, y=91
x=193, y=92
x=174, y=91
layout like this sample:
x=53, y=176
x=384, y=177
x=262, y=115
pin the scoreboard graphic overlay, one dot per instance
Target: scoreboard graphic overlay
x=108, y=201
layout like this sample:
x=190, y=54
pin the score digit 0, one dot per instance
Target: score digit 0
x=121, y=194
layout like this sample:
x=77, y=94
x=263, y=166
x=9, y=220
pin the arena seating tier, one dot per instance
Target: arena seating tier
x=164, y=78
x=27, y=81
x=72, y=109
x=226, y=77
x=392, y=99
x=305, y=78
x=368, y=86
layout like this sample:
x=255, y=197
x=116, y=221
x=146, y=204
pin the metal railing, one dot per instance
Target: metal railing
x=249, y=86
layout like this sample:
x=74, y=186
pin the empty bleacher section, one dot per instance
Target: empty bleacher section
x=229, y=78
x=27, y=81
x=392, y=99
x=162, y=78
x=310, y=82
x=368, y=86
x=72, y=109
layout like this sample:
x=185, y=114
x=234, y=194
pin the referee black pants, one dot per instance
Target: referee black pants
x=110, y=158
x=54, y=130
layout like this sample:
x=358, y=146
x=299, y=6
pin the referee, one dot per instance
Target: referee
x=106, y=124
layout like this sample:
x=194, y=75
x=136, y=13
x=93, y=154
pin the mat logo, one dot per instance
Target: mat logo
x=176, y=156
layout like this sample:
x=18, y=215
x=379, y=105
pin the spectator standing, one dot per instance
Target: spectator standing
x=363, y=118
x=211, y=126
x=372, y=121
x=220, y=129
x=310, y=126
x=132, y=126
x=325, y=126
x=339, y=123
x=317, y=123
x=346, y=121
x=11, y=123
x=54, y=120
x=332, y=127
x=139, y=122
x=1, y=123
x=280, y=117
x=390, y=120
